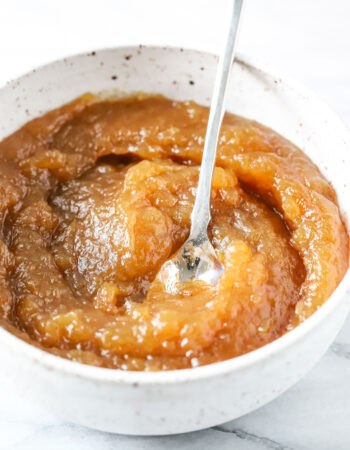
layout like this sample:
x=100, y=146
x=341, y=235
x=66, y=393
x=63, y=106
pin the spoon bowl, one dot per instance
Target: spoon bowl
x=196, y=260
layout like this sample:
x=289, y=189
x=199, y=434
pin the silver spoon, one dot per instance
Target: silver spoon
x=196, y=259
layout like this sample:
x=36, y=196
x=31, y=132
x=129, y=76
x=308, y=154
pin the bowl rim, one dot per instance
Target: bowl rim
x=268, y=351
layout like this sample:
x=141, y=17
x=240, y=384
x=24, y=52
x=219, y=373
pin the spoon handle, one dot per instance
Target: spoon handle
x=200, y=216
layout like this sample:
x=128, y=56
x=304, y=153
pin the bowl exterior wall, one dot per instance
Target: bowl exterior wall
x=178, y=407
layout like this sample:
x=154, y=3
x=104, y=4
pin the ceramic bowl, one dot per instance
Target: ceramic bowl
x=184, y=400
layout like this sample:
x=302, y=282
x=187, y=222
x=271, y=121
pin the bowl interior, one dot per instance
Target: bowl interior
x=187, y=74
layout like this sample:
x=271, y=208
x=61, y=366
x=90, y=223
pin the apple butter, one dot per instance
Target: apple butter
x=96, y=195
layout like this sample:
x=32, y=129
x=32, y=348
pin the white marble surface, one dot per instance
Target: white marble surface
x=308, y=39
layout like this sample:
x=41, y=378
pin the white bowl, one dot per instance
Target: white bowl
x=184, y=400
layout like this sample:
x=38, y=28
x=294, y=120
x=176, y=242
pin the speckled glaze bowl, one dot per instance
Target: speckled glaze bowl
x=184, y=400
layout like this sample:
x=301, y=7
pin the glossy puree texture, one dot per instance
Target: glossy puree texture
x=96, y=195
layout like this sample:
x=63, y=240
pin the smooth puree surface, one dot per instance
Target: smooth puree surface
x=96, y=195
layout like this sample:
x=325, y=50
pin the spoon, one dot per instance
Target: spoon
x=196, y=259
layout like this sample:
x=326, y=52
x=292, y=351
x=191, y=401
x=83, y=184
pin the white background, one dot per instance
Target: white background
x=309, y=40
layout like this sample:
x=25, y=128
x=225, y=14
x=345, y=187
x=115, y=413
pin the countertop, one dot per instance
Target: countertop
x=309, y=40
